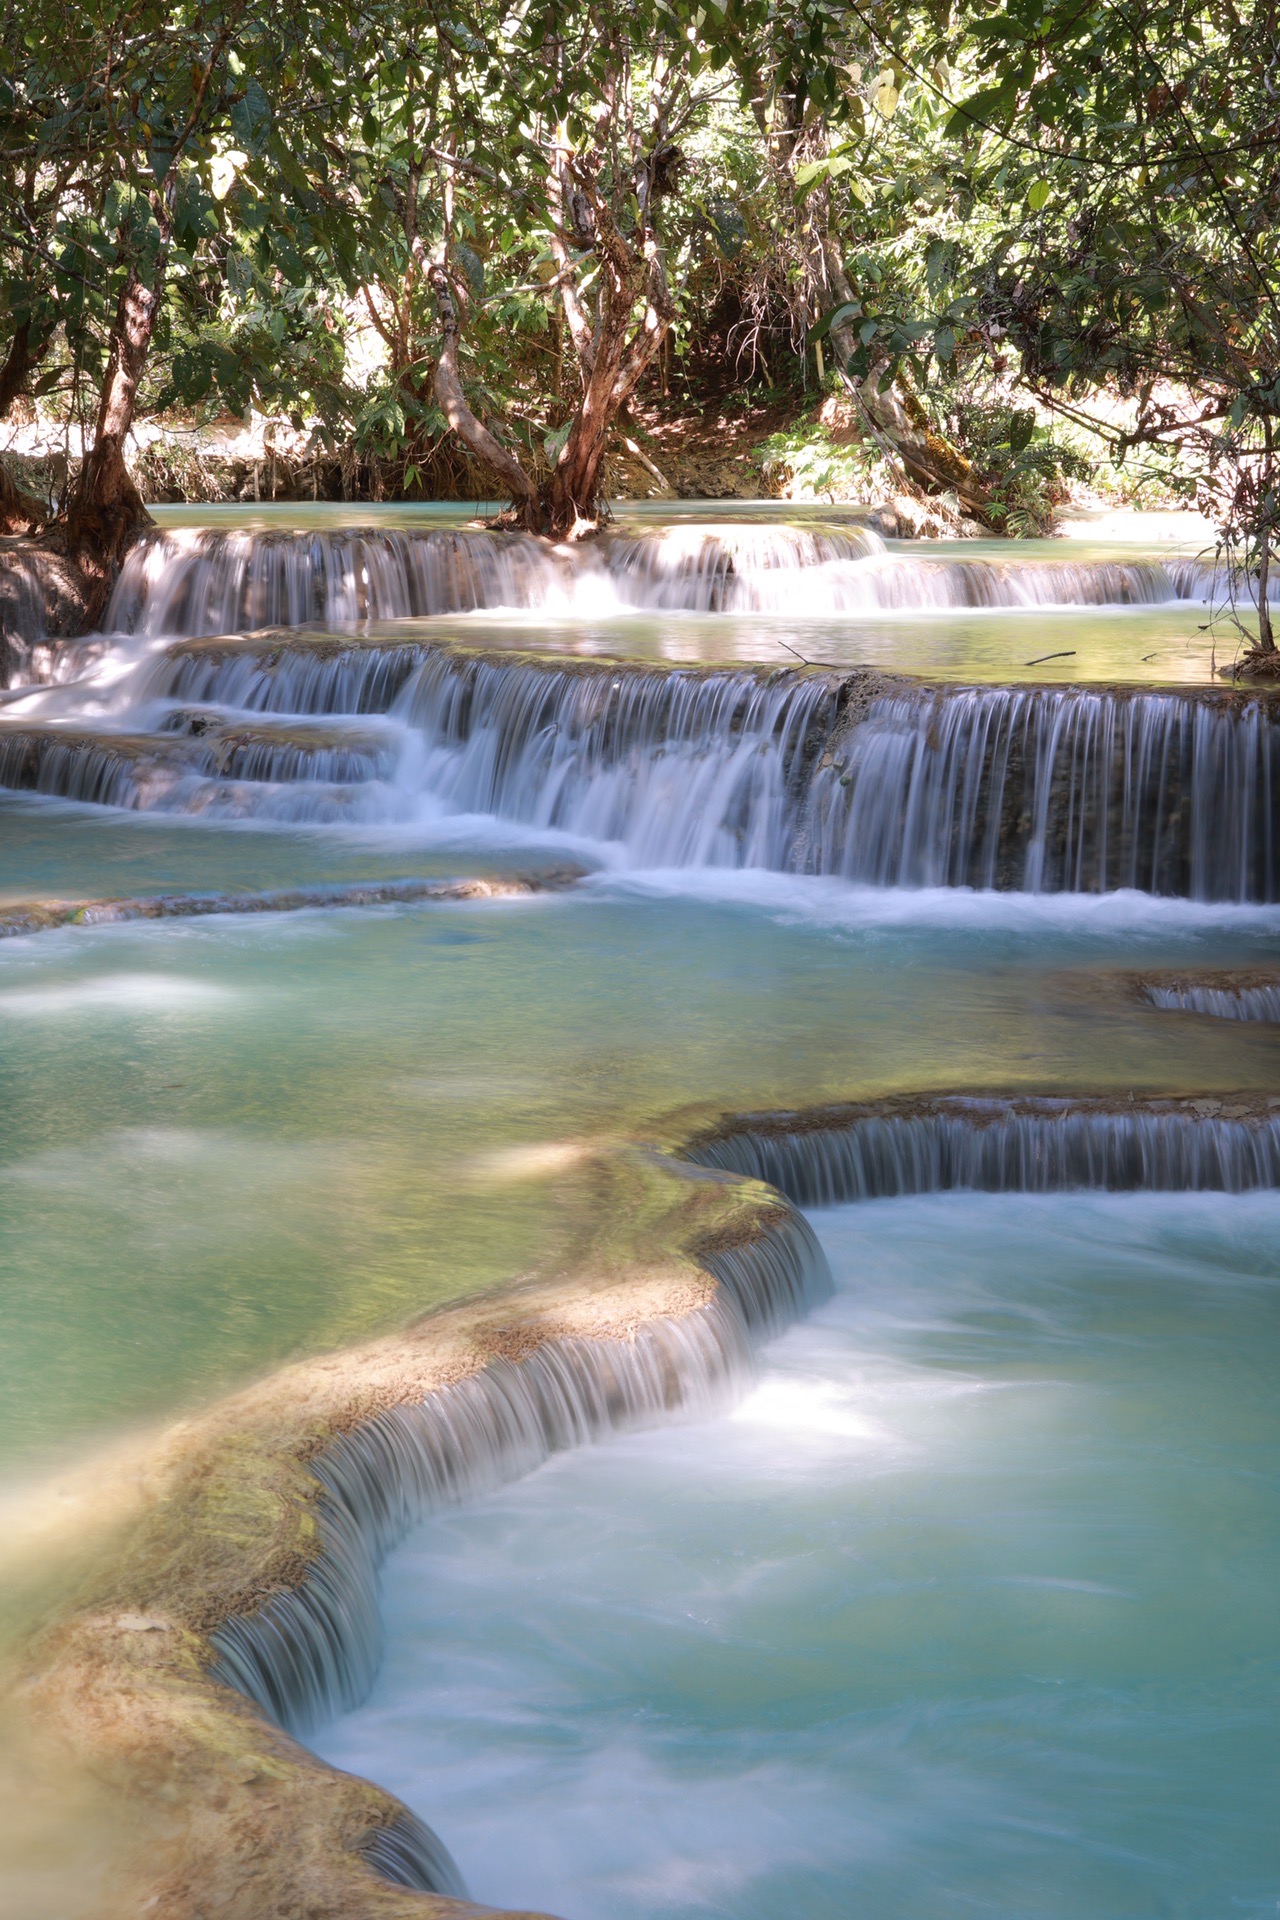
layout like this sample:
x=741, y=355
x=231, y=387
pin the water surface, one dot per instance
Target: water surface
x=969, y=1608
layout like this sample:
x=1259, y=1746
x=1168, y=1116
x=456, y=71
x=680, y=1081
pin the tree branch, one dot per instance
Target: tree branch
x=453, y=401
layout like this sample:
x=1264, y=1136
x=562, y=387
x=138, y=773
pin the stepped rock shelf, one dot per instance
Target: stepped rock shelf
x=870, y=777
x=197, y=581
x=362, y=863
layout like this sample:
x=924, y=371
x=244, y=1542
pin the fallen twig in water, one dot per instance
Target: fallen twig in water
x=805, y=661
x=1065, y=654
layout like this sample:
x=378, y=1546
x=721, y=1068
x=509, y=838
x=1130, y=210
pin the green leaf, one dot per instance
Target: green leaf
x=848, y=310
x=1022, y=429
x=989, y=106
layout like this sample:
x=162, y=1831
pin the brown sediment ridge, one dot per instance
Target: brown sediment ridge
x=40, y=916
x=225, y=1517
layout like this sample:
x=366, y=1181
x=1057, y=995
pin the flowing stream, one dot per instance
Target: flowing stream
x=934, y=1573
x=934, y=1623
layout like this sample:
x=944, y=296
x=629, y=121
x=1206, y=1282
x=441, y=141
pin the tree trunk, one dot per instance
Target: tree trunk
x=612, y=356
x=24, y=354
x=1265, y=493
x=20, y=512
x=453, y=404
x=1266, y=635
x=929, y=459
x=571, y=499
x=106, y=511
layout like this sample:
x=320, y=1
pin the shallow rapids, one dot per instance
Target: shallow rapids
x=969, y=1608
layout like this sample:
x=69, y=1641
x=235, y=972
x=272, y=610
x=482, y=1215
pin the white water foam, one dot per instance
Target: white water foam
x=1125, y=916
x=951, y=1616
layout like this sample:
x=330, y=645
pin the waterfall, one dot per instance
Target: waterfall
x=311, y=1652
x=855, y=775
x=807, y=574
x=1222, y=1000
x=1048, y=790
x=299, y=751
x=201, y=581
x=409, y=1855
x=1002, y=1146
x=685, y=767
x=144, y=771
x=1032, y=789
x=697, y=568
x=284, y=673
x=230, y=774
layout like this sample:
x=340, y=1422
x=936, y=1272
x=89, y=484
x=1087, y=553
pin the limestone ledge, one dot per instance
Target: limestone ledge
x=41, y=916
x=213, y=1809
x=855, y=685
x=695, y=1127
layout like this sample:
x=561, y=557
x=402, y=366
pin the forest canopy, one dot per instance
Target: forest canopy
x=415, y=231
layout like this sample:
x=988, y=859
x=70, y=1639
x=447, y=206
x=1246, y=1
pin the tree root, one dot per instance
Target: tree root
x=1260, y=666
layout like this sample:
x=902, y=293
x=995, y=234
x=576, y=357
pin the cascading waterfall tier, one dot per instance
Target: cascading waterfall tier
x=198, y=581
x=874, y=779
x=1221, y=996
x=408, y=1854
x=154, y=770
x=696, y=568
x=189, y=581
x=685, y=767
x=1032, y=789
x=223, y=771
x=862, y=775
x=312, y=1651
x=1004, y=1146
x=1245, y=1003
x=808, y=573
x=284, y=673
x=1049, y=790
